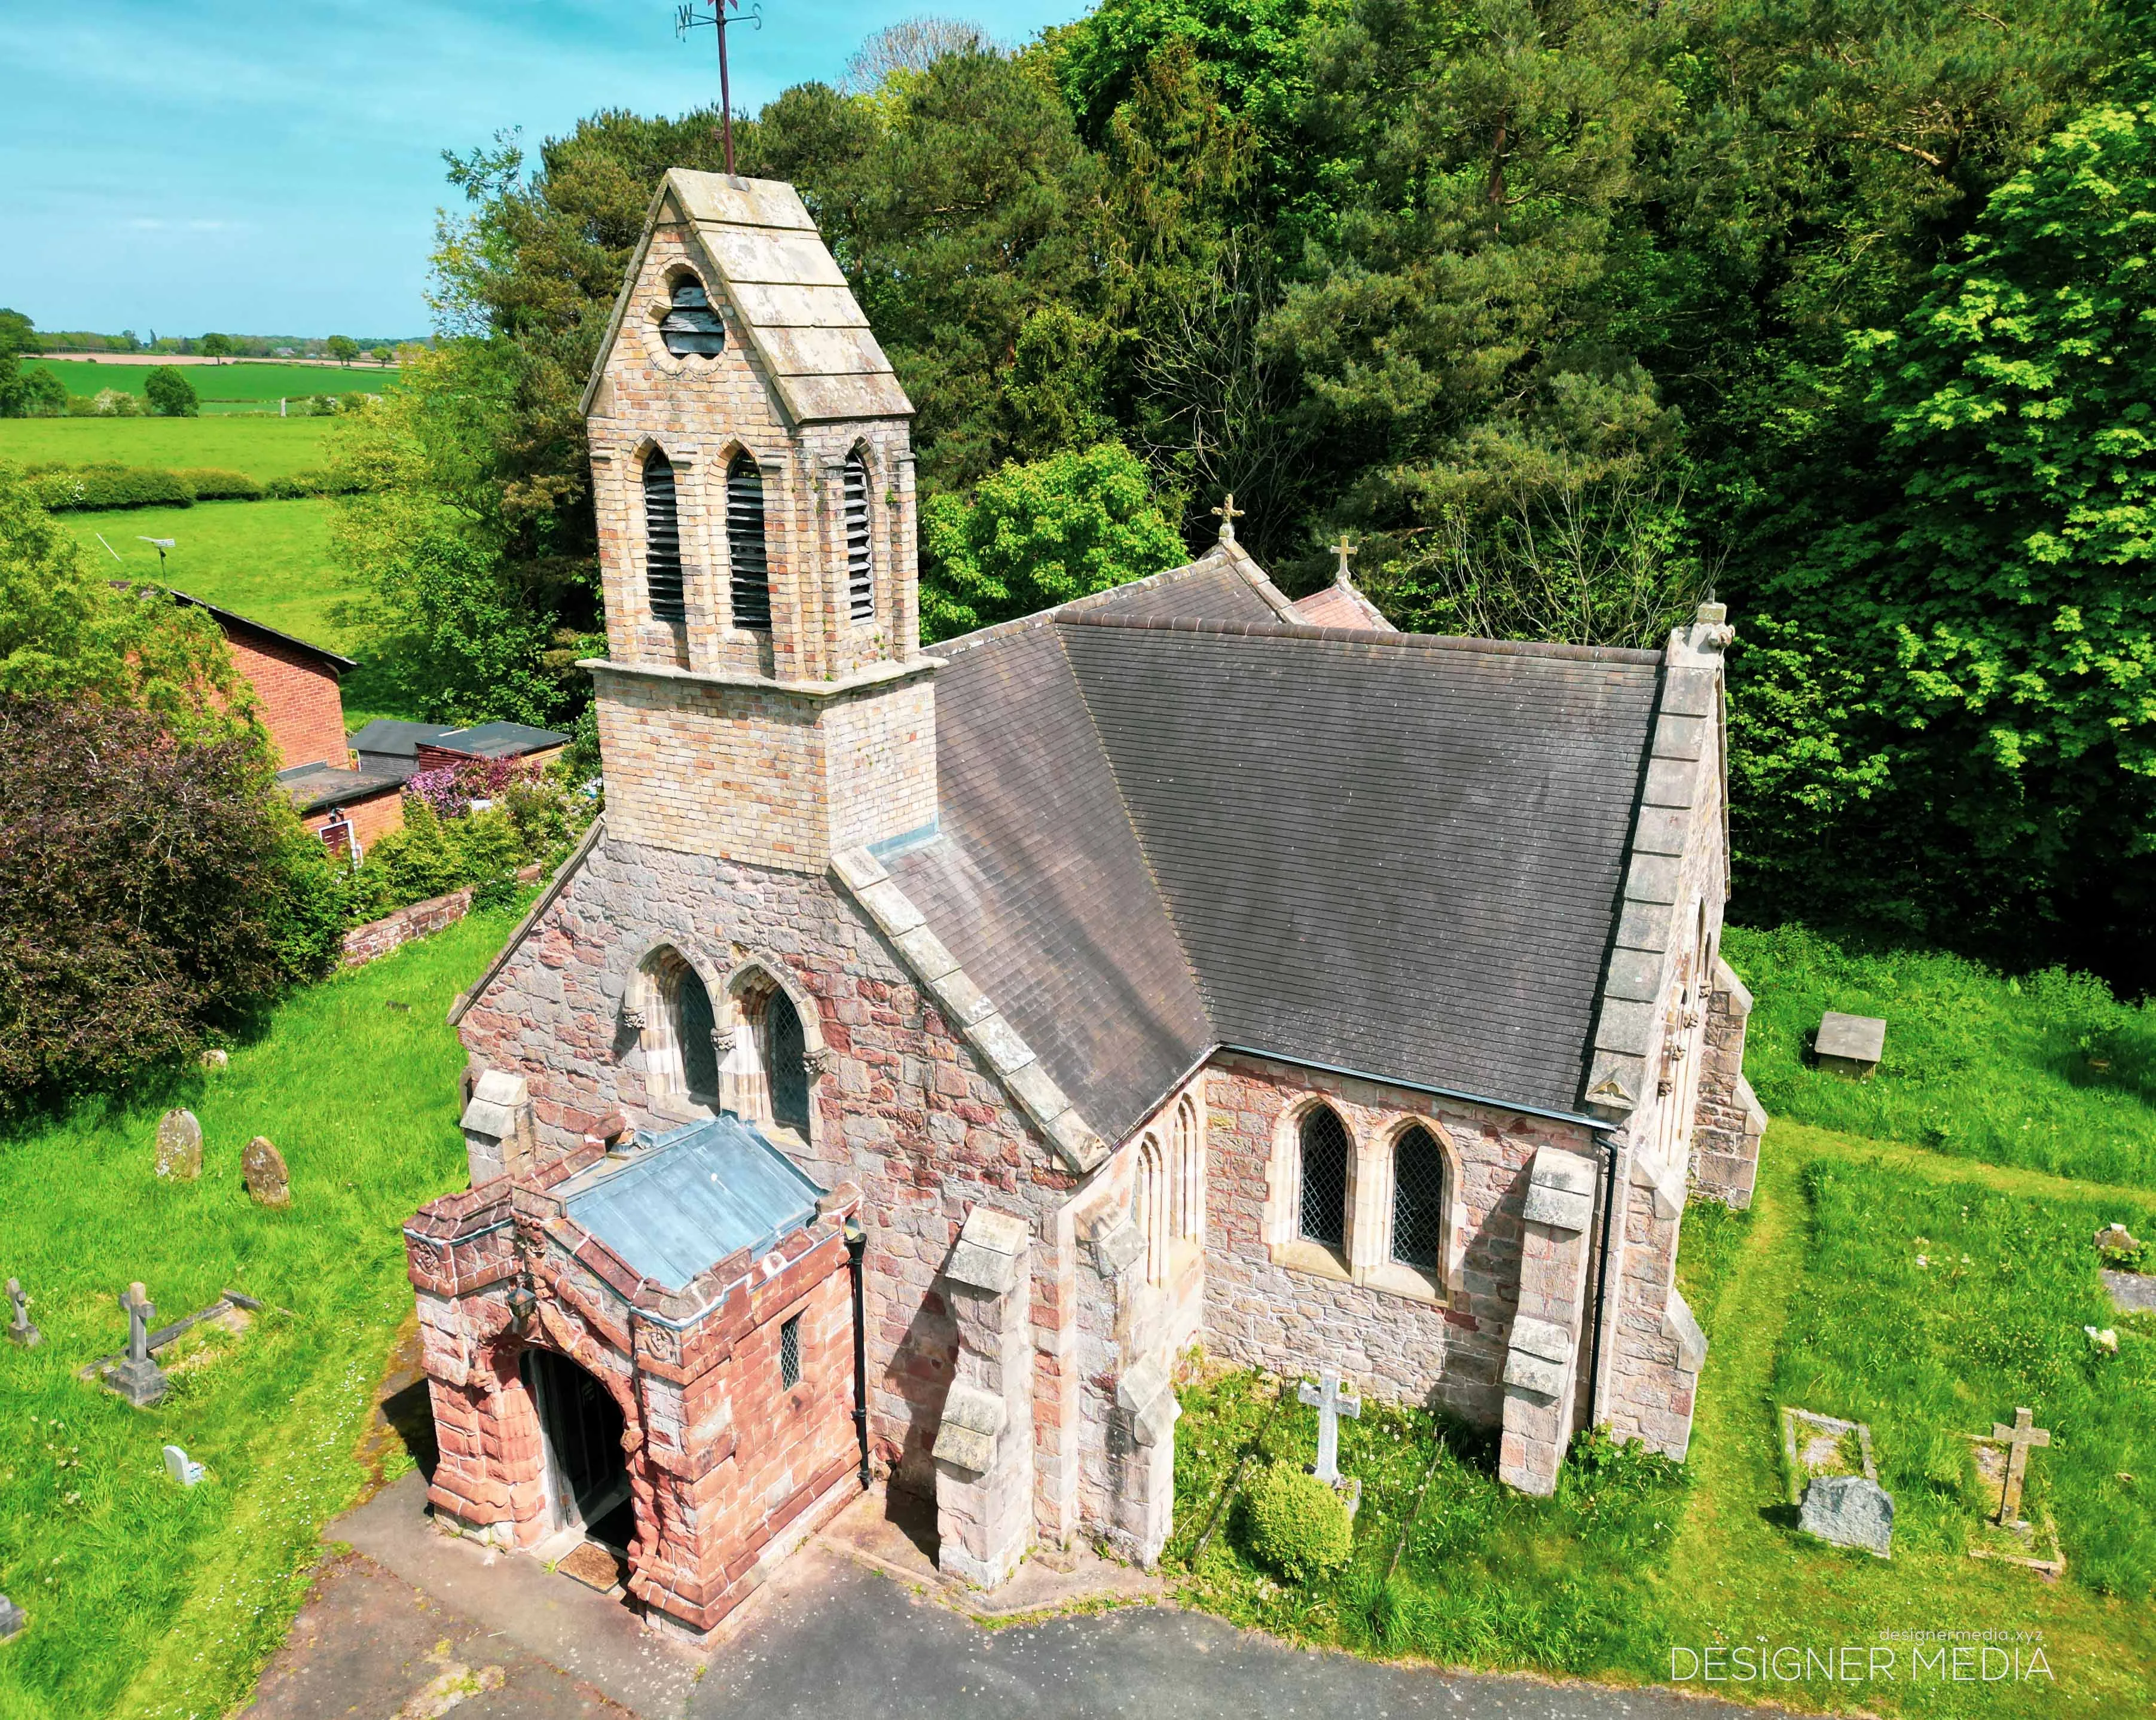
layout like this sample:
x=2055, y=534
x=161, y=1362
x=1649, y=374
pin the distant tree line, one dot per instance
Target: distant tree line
x=1569, y=312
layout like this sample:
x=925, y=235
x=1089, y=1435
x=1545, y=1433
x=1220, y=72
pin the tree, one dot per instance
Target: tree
x=343, y=348
x=25, y=393
x=1041, y=534
x=381, y=355
x=218, y=346
x=170, y=393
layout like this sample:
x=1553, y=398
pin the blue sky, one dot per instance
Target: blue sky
x=275, y=168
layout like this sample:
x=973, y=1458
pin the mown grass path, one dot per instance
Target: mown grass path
x=1738, y=1574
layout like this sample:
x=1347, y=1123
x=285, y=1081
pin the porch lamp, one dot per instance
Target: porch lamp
x=522, y=1305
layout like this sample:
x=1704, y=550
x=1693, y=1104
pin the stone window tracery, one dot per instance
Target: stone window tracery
x=765, y=1074
x=691, y=325
x=1186, y=1171
x=1152, y=1199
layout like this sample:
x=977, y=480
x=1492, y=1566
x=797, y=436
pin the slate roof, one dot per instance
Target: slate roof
x=789, y=297
x=1340, y=604
x=1171, y=820
x=695, y=1195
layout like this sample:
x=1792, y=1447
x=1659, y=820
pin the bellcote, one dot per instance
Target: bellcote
x=752, y=467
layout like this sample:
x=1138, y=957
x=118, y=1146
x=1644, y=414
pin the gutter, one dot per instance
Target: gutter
x=1594, y=1123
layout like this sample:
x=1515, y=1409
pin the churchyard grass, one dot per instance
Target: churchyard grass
x=263, y=448
x=246, y=387
x=2047, y=1071
x=146, y=1597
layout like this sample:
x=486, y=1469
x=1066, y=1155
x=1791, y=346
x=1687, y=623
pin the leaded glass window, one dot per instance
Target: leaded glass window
x=1419, y=1199
x=789, y=1353
x=1324, y=1181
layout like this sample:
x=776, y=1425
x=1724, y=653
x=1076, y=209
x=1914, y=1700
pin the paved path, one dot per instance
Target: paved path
x=411, y=1624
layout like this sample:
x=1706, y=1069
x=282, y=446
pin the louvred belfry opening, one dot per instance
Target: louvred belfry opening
x=691, y=325
x=860, y=561
x=662, y=539
x=744, y=550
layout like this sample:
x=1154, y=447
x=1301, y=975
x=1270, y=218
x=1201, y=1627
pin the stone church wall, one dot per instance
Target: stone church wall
x=901, y=1107
x=1276, y=1305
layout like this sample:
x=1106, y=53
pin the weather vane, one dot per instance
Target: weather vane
x=685, y=20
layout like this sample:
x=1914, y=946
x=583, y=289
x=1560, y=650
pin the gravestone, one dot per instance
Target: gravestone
x=2131, y=1292
x=1332, y=1404
x=262, y=1168
x=1851, y=1043
x=2020, y=1439
x=2116, y=1239
x=1849, y=1511
x=19, y=1327
x=179, y=1145
x=216, y=1058
x=182, y=1468
x=138, y=1379
x=13, y=1618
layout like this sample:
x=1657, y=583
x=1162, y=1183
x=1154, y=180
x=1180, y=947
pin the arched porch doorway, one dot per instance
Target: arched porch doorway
x=586, y=1472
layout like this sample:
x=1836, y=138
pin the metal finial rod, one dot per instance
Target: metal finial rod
x=685, y=20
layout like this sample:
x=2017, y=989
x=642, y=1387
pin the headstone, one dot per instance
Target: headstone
x=19, y=1327
x=138, y=1379
x=179, y=1145
x=13, y=1618
x=1332, y=1404
x=262, y=1168
x=1849, y=1511
x=2131, y=1292
x=216, y=1058
x=182, y=1468
x=2116, y=1239
x=1851, y=1043
x=2019, y=1441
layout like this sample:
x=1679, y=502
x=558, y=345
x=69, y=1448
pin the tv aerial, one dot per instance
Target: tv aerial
x=686, y=18
x=161, y=544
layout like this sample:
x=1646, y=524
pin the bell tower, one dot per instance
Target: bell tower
x=764, y=697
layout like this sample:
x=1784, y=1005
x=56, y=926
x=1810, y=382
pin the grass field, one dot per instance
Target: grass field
x=146, y=1597
x=271, y=561
x=249, y=384
x=2046, y=1072
x=263, y=448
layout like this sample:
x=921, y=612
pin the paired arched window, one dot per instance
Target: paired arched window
x=691, y=325
x=1419, y=1200
x=786, y=1055
x=745, y=551
x=1153, y=1216
x=662, y=538
x=861, y=557
x=1321, y=1184
x=681, y=1060
x=766, y=1063
x=1186, y=1171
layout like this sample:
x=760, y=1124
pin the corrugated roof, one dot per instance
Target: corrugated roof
x=679, y=1206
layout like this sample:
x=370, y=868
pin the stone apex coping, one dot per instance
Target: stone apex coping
x=1544, y=1338
x=990, y=1252
x=1145, y=1391
x=1117, y=1245
x=1726, y=980
x=594, y=833
x=1665, y=1183
x=496, y=1100
x=968, y=1008
x=877, y=675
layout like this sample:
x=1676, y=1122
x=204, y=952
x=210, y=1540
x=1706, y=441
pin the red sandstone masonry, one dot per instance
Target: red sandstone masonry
x=365, y=943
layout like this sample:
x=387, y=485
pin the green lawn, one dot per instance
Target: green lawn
x=271, y=561
x=145, y=1597
x=2047, y=1072
x=250, y=383
x=263, y=448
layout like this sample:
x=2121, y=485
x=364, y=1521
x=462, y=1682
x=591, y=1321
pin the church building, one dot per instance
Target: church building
x=928, y=1048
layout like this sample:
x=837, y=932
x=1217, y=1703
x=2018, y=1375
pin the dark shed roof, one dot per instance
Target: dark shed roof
x=316, y=787
x=500, y=740
x=1170, y=821
x=396, y=739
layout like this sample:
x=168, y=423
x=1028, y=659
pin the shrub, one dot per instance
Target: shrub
x=30, y=393
x=311, y=481
x=433, y=856
x=1296, y=1524
x=170, y=393
x=215, y=483
x=111, y=486
x=105, y=402
x=144, y=898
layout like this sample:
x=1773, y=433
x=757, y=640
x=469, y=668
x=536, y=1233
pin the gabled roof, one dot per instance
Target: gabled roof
x=1171, y=820
x=232, y=620
x=787, y=293
x=1340, y=605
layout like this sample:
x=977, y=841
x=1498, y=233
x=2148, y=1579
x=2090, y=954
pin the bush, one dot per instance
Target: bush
x=170, y=393
x=30, y=393
x=312, y=480
x=144, y=898
x=215, y=483
x=111, y=486
x=1296, y=1524
x=107, y=402
x=433, y=856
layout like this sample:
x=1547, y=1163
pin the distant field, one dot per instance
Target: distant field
x=263, y=448
x=244, y=384
x=269, y=561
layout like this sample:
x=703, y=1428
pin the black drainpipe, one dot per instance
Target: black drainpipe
x=857, y=1242
x=1602, y=1274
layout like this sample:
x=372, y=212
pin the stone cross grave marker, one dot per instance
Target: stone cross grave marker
x=19, y=1328
x=2017, y=1440
x=1332, y=1404
x=139, y=1378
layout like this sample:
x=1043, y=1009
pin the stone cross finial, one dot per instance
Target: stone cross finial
x=2018, y=1439
x=1332, y=1404
x=1228, y=513
x=1346, y=548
